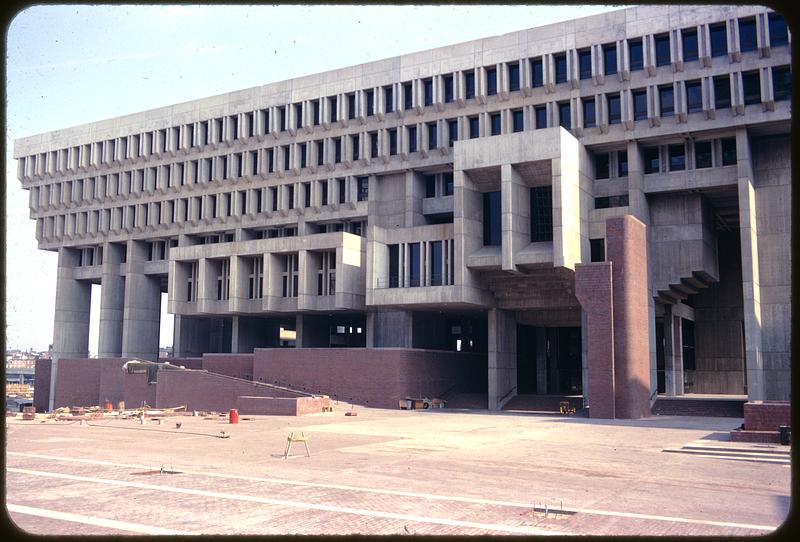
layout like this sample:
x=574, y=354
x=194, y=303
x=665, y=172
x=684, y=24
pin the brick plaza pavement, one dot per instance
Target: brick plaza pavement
x=394, y=472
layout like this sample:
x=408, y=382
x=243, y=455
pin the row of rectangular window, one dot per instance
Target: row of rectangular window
x=541, y=216
x=407, y=269
x=295, y=116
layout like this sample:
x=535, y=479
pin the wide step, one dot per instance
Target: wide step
x=679, y=406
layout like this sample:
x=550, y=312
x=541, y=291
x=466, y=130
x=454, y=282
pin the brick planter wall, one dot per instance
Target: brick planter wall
x=137, y=390
x=766, y=415
x=281, y=406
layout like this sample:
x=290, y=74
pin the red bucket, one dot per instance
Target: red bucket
x=233, y=416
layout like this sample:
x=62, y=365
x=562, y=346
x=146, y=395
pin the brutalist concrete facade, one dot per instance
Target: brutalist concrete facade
x=448, y=199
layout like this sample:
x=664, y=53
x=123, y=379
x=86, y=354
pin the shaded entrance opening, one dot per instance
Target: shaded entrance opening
x=549, y=360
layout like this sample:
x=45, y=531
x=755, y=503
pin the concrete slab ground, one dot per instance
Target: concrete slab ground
x=395, y=472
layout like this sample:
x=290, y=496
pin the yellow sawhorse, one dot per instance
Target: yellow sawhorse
x=292, y=439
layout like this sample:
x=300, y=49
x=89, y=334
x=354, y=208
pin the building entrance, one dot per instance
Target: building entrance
x=549, y=360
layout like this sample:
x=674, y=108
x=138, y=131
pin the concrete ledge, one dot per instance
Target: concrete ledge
x=282, y=406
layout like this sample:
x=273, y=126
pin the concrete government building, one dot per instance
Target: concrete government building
x=595, y=208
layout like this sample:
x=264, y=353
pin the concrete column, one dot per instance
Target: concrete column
x=515, y=215
x=502, y=364
x=235, y=334
x=142, y=311
x=541, y=360
x=71, y=321
x=751, y=288
x=389, y=329
x=414, y=194
x=112, y=302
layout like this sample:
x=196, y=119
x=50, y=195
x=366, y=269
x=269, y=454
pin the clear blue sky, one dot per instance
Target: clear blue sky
x=69, y=65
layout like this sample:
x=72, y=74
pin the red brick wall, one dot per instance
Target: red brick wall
x=111, y=380
x=236, y=365
x=136, y=389
x=626, y=248
x=41, y=385
x=88, y=381
x=766, y=415
x=189, y=363
x=376, y=377
x=593, y=288
x=281, y=406
x=201, y=390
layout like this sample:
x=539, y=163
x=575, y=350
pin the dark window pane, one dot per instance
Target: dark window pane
x=452, y=128
x=667, y=98
x=469, y=85
x=614, y=109
x=601, y=163
x=363, y=188
x=541, y=214
x=373, y=144
x=436, y=263
x=408, y=96
x=778, y=33
x=652, y=162
x=585, y=64
x=598, y=249
x=719, y=40
x=729, y=151
x=722, y=92
x=513, y=77
x=448, y=89
x=610, y=59
x=702, y=154
x=496, y=128
x=491, y=219
x=636, y=55
x=430, y=186
x=334, y=104
x=677, y=157
x=747, y=35
x=536, y=69
x=662, y=50
x=351, y=106
x=517, y=119
x=473, y=127
x=694, y=96
x=448, y=183
x=639, y=104
x=561, y=68
x=393, y=142
x=781, y=83
x=751, y=83
x=394, y=266
x=564, y=115
x=432, y=142
x=370, y=103
x=428, y=84
x=589, y=117
x=413, y=261
x=388, y=96
x=412, y=139
x=622, y=164
x=491, y=81
x=689, y=38
x=541, y=117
